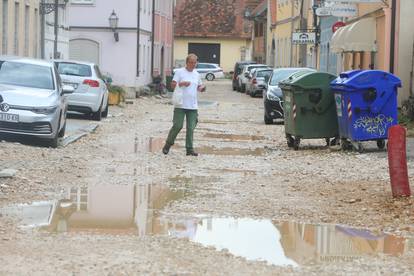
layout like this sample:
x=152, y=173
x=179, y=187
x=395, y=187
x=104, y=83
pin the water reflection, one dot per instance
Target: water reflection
x=134, y=210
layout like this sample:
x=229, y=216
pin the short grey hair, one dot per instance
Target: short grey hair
x=190, y=56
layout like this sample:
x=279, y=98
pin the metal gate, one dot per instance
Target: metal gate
x=206, y=52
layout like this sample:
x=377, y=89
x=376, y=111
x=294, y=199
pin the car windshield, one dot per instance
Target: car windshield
x=281, y=75
x=264, y=74
x=74, y=69
x=27, y=75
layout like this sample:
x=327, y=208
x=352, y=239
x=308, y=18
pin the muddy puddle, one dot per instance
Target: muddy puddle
x=234, y=137
x=137, y=210
x=230, y=151
x=139, y=145
x=155, y=144
x=104, y=209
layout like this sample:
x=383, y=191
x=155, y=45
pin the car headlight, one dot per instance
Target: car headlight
x=44, y=110
x=272, y=97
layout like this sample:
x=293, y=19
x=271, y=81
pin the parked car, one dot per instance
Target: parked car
x=273, y=98
x=32, y=99
x=258, y=81
x=208, y=71
x=238, y=67
x=245, y=75
x=91, y=92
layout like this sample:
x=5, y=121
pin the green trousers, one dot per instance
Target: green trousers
x=178, y=122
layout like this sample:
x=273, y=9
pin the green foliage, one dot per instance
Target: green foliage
x=116, y=89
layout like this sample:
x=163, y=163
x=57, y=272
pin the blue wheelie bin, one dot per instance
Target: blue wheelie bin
x=366, y=105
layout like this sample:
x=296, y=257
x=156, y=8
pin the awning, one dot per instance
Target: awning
x=359, y=36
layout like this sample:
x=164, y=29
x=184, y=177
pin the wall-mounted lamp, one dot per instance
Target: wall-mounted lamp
x=113, y=24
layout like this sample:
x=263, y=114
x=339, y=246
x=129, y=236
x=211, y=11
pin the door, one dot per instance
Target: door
x=84, y=50
x=206, y=52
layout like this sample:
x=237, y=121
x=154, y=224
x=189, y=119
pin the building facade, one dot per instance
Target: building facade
x=47, y=32
x=217, y=31
x=162, y=57
x=20, y=28
x=123, y=53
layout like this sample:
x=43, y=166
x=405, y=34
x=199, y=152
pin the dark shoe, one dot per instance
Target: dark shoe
x=192, y=153
x=166, y=149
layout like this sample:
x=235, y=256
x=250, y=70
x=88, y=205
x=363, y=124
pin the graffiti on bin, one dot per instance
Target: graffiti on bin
x=374, y=125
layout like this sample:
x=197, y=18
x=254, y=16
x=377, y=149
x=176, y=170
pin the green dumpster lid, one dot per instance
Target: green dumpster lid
x=308, y=80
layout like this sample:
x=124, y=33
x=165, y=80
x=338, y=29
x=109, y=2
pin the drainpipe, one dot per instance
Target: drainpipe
x=56, y=30
x=138, y=34
x=393, y=26
x=152, y=39
x=42, y=30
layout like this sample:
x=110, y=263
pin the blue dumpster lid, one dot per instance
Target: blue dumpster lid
x=363, y=79
x=308, y=80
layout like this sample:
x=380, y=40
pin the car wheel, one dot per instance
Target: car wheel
x=268, y=121
x=234, y=88
x=210, y=77
x=97, y=116
x=105, y=113
x=53, y=142
x=62, y=131
x=252, y=94
x=243, y=88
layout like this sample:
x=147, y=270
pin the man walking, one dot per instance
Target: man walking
x=188, y=80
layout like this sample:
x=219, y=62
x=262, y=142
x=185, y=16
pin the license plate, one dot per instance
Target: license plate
x=5, y=117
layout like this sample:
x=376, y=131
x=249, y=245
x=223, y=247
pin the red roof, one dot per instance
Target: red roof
x=212, y=18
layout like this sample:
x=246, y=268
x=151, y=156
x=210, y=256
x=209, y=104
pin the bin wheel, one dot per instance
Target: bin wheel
x=360, y=148
x=296, y=143
x=345, y=144
x=335, y=141
x=290, y=141
x=328, y=142
x=381, y=144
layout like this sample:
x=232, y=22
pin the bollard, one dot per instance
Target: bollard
x=397, y=161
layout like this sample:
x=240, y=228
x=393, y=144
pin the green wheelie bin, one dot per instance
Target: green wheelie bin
x=309, y=108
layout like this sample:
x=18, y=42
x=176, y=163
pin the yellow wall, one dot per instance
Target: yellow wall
x=230, y=50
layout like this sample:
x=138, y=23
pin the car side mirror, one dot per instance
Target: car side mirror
x=67, y=89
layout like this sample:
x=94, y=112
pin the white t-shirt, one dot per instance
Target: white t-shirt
x=190, y=92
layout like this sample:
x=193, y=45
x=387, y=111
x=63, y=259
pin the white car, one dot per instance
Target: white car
x=32, y=99
x=245, y=76
x=208, y=71
x=91, y=92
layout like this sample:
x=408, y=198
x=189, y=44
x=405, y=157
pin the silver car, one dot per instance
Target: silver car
x=32, y=100
x=91, y=92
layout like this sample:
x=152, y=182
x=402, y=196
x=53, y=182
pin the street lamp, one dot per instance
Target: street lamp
x=113, y=24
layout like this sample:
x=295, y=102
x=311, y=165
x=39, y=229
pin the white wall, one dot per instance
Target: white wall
x=119, y=59
x=63, y=34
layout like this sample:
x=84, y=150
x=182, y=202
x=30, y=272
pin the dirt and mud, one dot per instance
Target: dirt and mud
x=113, y=204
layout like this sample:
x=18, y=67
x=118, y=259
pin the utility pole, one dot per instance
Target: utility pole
x=303, y=28
x=393, y=27
x=56, y=30
x=42, y=29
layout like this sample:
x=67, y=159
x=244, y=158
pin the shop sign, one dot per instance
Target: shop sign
x=344, y=10
x=337, y=25
x=358, y=1
x=303, y=38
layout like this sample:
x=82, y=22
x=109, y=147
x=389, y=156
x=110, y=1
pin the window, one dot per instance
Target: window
x=27, y=75
x=5, y=19
x=16, y=28
x=74, y=69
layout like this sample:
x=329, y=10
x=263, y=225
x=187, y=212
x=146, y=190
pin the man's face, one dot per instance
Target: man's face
x=191, y=64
